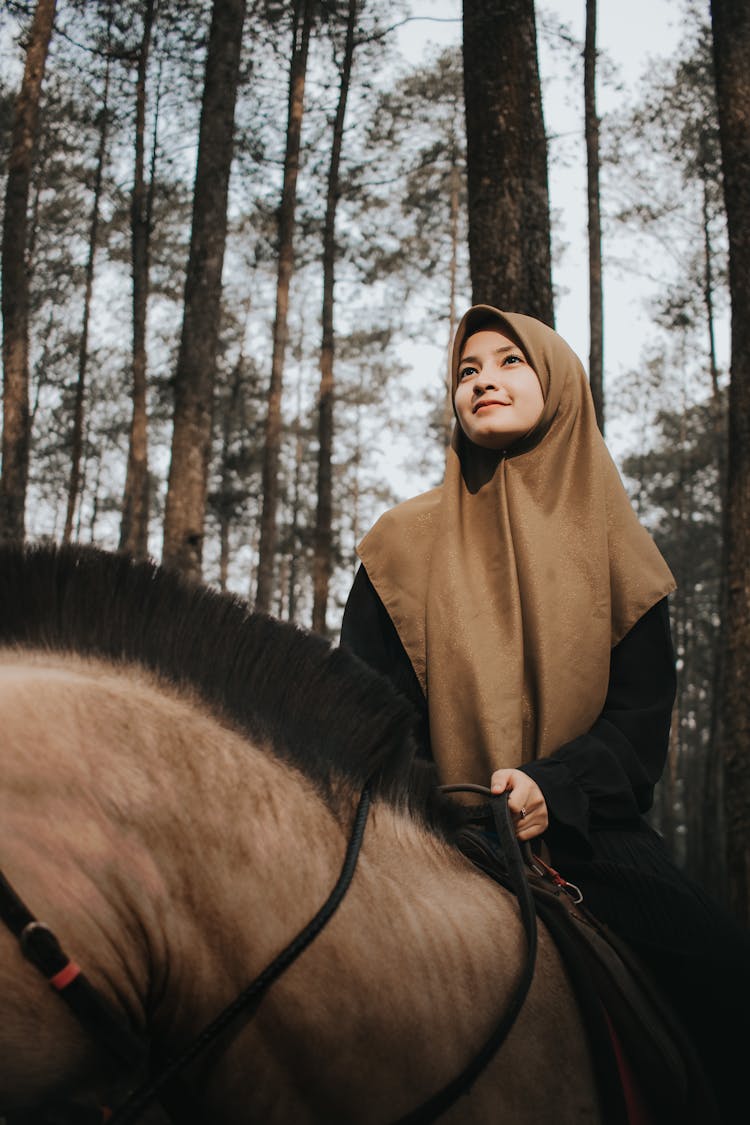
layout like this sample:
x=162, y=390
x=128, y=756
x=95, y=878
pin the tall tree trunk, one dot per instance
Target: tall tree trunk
x=596, y=315
x=682, y=634
x=15, y=296
x=196, y=362
x=294, y=530
x=134, y=525
x=74, y=482
x=323, y=550
x=506, y=150
x=356, y=463
x=455, y=179
x=272, y=450
x=229, y=424
x=731, y=34
x=95, y=493
x=708, y=287
x=712, y=837
x=295, y=548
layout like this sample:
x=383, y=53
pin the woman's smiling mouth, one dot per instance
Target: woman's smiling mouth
x=489, y=402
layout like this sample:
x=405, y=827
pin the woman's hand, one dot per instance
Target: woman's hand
x=525, y=802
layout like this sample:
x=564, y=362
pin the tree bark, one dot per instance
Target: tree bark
x=272, y=448
x=323, y=549
x=448, y=415
x=708, y=286
x=297, y=518
x=134, y=524
x=506, y=147
x=15, y=285
x=596, y=315
x=228, y=422
x=74, y=483
x=731, y=35
x=196, y=363
x=713, y=863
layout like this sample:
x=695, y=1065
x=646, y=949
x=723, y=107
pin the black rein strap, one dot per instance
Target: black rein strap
x=435, y=1106
x=251, y=996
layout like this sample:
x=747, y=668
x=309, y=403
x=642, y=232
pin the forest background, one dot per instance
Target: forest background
x=238, y=235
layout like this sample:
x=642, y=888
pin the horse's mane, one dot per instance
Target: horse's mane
x=317, y=706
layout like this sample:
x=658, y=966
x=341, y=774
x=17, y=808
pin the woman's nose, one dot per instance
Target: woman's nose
x=484, y=382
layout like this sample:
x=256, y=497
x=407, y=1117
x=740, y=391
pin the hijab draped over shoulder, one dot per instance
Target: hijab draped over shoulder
x=511, y=582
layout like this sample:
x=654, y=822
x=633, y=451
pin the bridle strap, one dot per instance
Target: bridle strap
x=247, y=1001
x=435, y=1106
x=42, y=948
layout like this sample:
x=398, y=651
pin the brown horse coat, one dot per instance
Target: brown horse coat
x=175, y=854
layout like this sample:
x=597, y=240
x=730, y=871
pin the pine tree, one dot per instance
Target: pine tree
x=196, y=364
x=731, y=32
x=15, y=295
x=509, y=225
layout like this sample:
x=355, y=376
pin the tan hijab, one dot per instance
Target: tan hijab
x=510, y=583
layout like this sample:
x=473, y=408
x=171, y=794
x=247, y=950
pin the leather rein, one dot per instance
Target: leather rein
x=42, y=948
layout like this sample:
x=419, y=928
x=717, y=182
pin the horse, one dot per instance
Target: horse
x=180, y=779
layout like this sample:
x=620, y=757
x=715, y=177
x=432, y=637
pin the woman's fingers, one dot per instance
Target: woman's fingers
x=526, y=803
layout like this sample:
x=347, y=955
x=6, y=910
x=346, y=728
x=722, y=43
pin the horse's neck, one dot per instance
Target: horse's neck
x=152, y=839
x=268, y=856
x=130, y=820
x=391, y=999
x=189, y=860
x=397, y=995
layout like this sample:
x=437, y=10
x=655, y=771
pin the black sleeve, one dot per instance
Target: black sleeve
x=367, y=631
x=607, y=776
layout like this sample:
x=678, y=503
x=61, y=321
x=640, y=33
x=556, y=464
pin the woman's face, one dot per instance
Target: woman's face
x=498, y=396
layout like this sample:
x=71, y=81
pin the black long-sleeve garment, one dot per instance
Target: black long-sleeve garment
x=596, y=788
x=603, y=778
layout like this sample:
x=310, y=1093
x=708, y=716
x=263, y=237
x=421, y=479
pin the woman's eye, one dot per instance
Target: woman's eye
x=465, y=371
x=513, y=359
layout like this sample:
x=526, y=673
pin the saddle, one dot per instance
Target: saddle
x=646, y=1068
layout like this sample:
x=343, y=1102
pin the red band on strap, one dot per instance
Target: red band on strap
x=66, y=976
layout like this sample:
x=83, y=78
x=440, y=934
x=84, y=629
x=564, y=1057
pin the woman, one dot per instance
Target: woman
x=523, y=609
